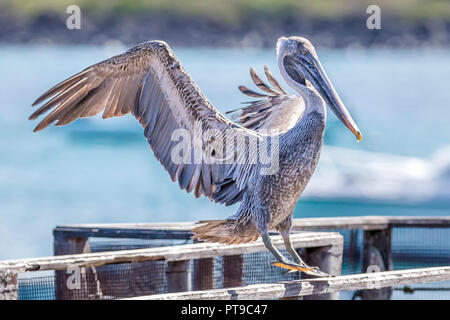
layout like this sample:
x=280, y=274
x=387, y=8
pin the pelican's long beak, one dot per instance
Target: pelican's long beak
x=318, y=78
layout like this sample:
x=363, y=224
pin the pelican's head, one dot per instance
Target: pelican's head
x=301, y=64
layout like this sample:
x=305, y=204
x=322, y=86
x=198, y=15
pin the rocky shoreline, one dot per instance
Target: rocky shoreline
x=204, y=32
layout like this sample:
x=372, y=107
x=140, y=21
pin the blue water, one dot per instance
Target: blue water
x=97, y=171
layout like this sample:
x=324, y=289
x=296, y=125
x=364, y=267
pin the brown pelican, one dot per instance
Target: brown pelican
x=149, y=82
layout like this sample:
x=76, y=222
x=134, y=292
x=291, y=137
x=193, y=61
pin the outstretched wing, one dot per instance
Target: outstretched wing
x=148, y=81
x=277, y=110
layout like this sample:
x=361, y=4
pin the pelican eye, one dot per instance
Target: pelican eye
x=304, y=52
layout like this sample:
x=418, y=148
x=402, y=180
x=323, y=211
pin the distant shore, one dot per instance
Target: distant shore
x=191, y=31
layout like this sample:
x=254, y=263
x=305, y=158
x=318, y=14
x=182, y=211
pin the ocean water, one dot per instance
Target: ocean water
x=99, y=171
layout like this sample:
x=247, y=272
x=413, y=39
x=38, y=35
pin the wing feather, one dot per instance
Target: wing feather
x=62, y=86
x=261, y=84
x=149, y=82
x=272, y=80
x=251, y=93
x=278, y=112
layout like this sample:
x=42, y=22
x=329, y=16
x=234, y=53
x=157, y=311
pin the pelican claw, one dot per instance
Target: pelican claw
x=293, y=267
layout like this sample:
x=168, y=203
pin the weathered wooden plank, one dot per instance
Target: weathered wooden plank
x=298, y=288
x=127, y=231
x=171, y=253
x=8, y=285
x=182, y=230
x=172, y=226
x=428, y=222
x=364, y=222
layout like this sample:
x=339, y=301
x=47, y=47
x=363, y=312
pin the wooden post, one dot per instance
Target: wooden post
x=353, y=255
x=233, y=267
x=8, y=285
x=377, y=256
x=329, y=260
x=177, y=274
x=62, y=246
x=203, y=274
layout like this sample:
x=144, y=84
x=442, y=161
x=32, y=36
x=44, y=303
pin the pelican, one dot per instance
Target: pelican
x=149, y=82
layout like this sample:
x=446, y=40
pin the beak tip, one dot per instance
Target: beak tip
x=359, y=136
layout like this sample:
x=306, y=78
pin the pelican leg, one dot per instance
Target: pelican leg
x=290, y=248
x=282, y=262
x=269, y=245
x=315, y=271
x=285, y=231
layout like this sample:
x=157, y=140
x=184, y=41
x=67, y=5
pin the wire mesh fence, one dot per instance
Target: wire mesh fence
x=145, y=278
x=411, y=248
x=37, y=287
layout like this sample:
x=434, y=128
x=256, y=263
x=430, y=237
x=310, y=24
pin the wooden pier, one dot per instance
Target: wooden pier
x=188, y=271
